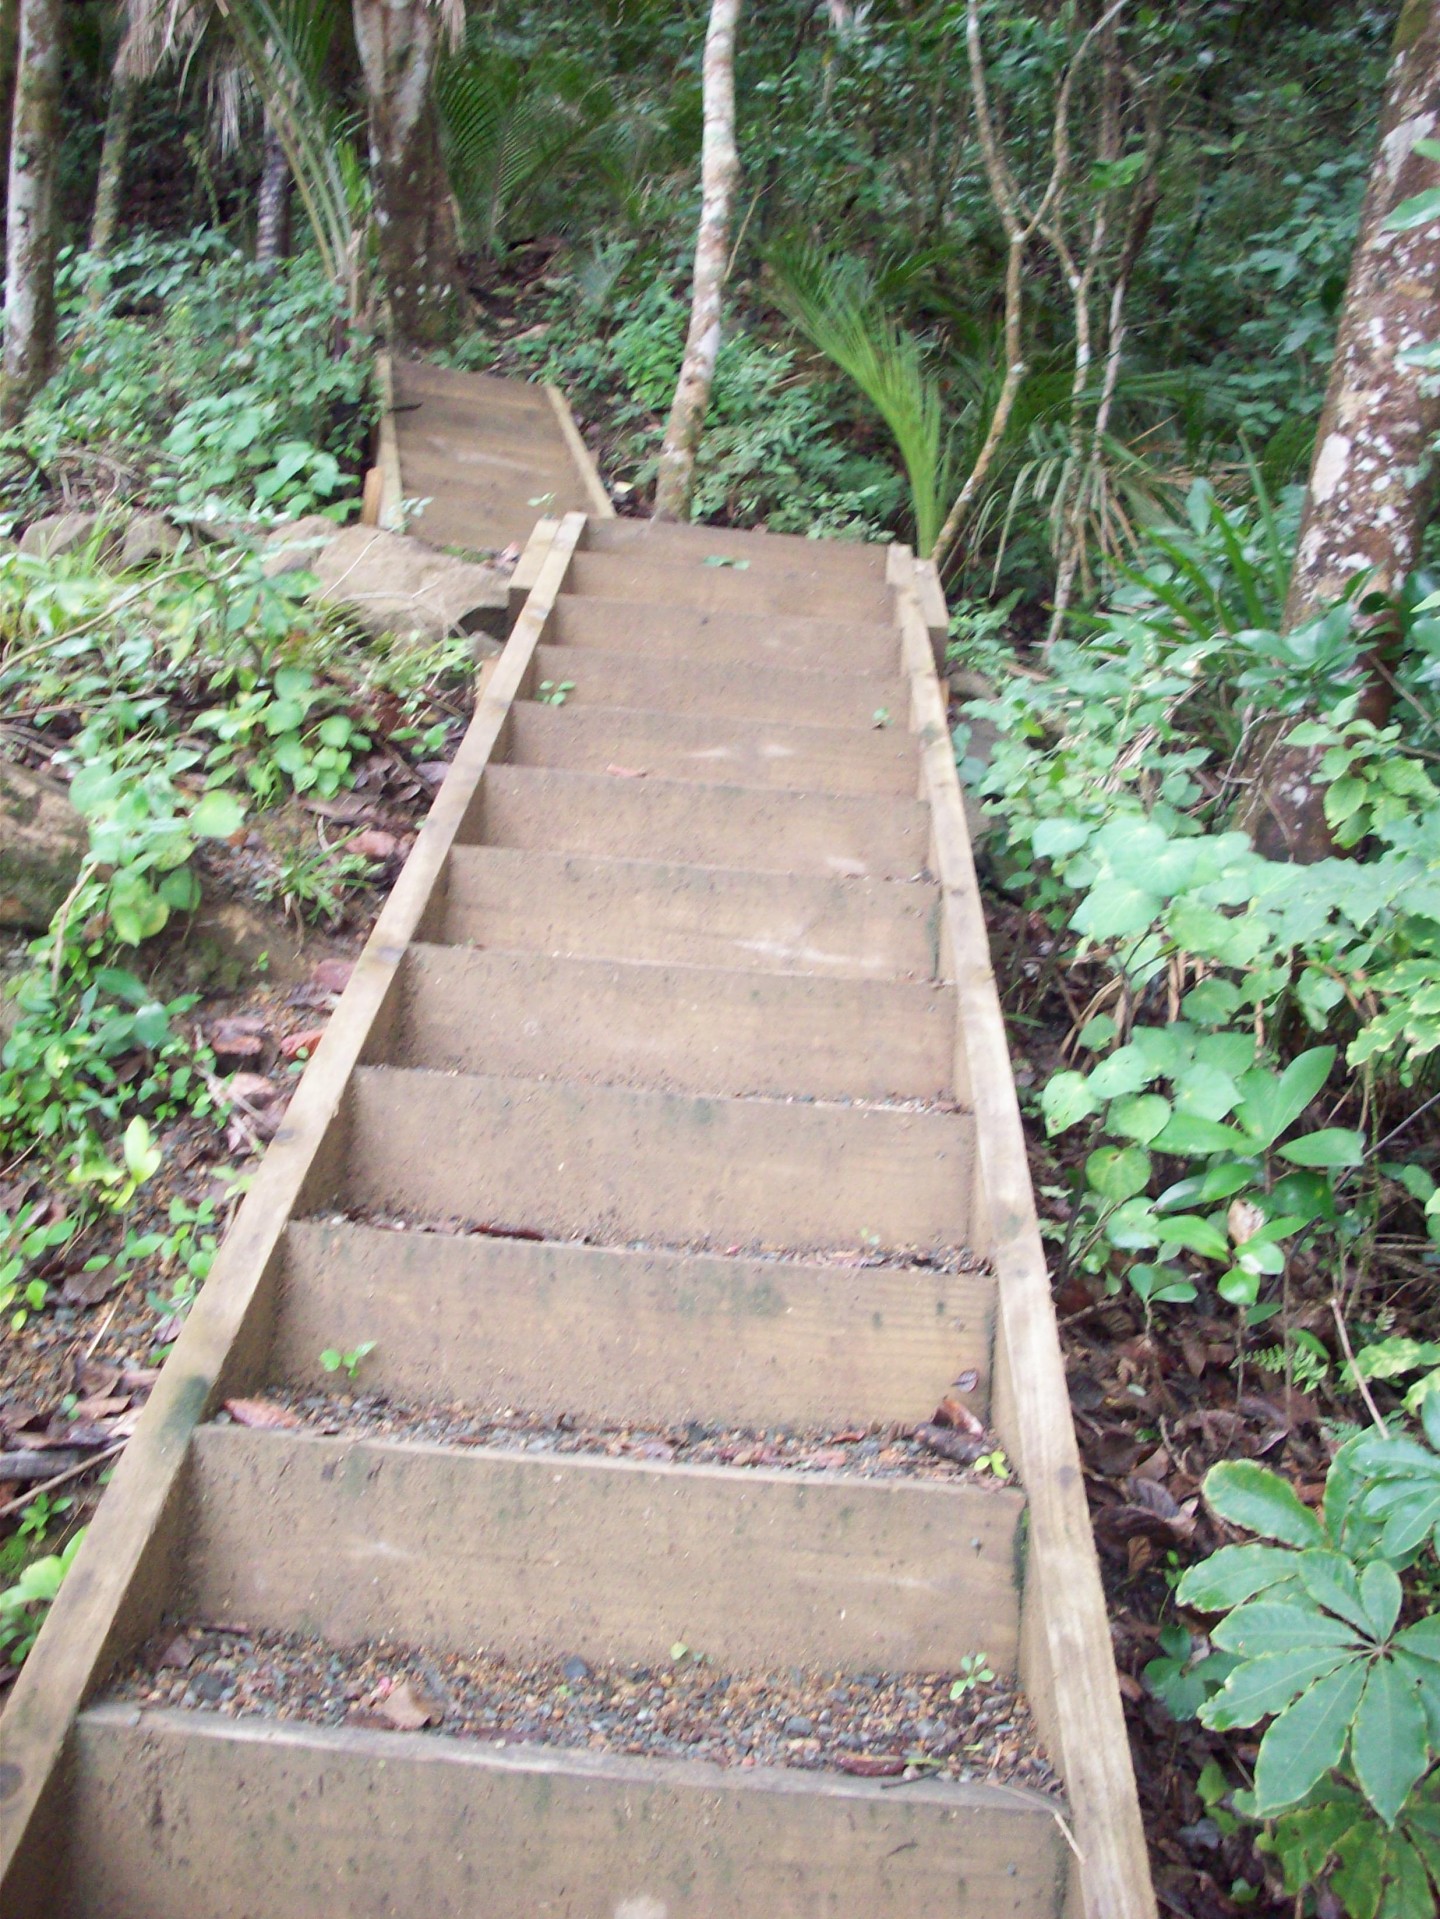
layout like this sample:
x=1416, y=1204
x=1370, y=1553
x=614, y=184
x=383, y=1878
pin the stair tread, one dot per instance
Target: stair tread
x=617, y=1333
x=426, y=1823
x=746, y=828
x=678, y=912
x=616, y=1164
x=676, y=1028
x=689, y=746
x=812, y=643
x=351, y=1539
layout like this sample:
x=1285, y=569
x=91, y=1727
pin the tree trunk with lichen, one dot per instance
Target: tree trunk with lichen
x=30, y=232
x=399, y=46
x=272, y=218
x=1371, y=478
x=719, y=169
x=113, y=148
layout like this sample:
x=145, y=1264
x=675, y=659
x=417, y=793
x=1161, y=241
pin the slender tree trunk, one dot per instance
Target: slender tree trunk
x=1371, y=478
x=9, y=36
x=399, y=45
x=113, y=150
x=719, y=171
x=272, y=219
x=30, y=233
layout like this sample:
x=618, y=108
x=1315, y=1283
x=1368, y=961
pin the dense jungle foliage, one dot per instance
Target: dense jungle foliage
x=1229, y=1057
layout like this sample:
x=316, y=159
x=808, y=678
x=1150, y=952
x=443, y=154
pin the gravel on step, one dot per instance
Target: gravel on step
x=947, y=1450
x=871, y=1725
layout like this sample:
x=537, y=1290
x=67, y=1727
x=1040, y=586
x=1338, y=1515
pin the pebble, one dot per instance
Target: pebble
x=798, y=1718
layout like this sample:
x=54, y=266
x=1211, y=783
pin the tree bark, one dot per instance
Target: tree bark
x=1371, y=480
x=272, y=218
x=719, y=171
x=113, y=149
x=399, y=46
x=30, y=232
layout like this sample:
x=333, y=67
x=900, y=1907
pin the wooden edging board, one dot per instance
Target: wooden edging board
x=602, y=507
x=1067, y=1666
x=121, y=1577
x=386, y=497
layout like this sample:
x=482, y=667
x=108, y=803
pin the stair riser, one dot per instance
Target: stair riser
x=623, y=1337
x=671, y=746
x=771, y=694
x=689, y=915
x=722, y=589
x=775, y=832
x=545, y=1555
x=737, y=640
x=678, y=1029
x=184, y=1815
x=616, y=1166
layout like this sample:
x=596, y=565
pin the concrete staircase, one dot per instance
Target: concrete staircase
x=662, y=1031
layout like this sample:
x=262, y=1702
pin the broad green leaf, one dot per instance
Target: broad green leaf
x=1281, y=1625
x=1114, y=909
x=1065, y=1100
x=1205, y=1091
x=142, y=1155
x=1252, y=1496
x=1196, y=1234
x=1329, y=1578
x=1259, y=1687
x=1053, y=839
x=1422, y=1639
x=217, y=815
x=1221, y=1181
x=1118, y=1172
x=1186, y=1134
x=1418, y=211
x=1332, y=1146
x=1126, y=1070
x=1306, y=1741
x=1415, y=1517
x=1133, y=1226
x=1388, y=1745
x=1380, y=1594
x=1272, y=1106
x=1236, y=1573
x=1138, y=1116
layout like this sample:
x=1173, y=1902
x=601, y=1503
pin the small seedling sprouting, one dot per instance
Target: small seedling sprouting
x=724, y=559
x=995, y=1463
x=555, y=692
x=974, y=1671
x=334, y=1361
x=881, y=716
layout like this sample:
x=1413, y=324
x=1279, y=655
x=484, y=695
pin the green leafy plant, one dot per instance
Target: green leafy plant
x=333, y=1360
x=23, y=1606
x=974, y=1671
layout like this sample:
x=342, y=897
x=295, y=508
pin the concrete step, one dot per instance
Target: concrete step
x=763, y=831
x=674, y=914
x=693, y=746
x=607, y=1334
x=725, y=638
x=812, y=590
x=776, y=695
x=763, y=553
x=615, y=1166
x=689, y=1029
x=541, y=1555
x=181, y=1814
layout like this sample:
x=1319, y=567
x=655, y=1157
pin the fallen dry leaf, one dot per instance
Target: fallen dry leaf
x=251, y=1089
x=869, y=1765
x=1244, y=1220
x=404, y=1709
x=88, y=1289
x=180, y=1652
x=374, y=843
x=952, y=1412
x=333, y=974
x=262, y=1413
x=963, y=1448
x=294, y=1045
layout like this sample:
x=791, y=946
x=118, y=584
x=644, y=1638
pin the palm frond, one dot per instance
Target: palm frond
x=835, y=305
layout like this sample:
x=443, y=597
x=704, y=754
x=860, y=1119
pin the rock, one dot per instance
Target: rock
x=390, y=583
x=42, y=841
x=61, y=533
x=148, y=537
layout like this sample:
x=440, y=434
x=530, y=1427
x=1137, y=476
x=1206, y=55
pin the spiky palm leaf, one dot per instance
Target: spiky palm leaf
x=835, y=305
x=508, y=129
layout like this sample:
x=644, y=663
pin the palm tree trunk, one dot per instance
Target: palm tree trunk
x=113, y=150
x=272, y=222
x=399, y=46
x=1372, y=475
x=30, y=233
x=719, y=170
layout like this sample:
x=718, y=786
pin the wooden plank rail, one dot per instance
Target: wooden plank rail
x=671, y=1091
